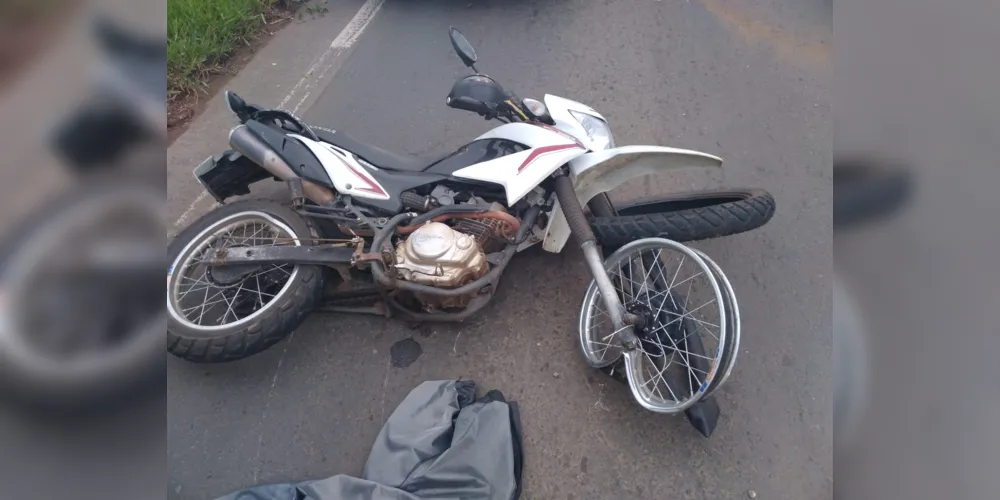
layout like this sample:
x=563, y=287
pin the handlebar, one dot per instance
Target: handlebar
x=468, y=104
x=491, y=111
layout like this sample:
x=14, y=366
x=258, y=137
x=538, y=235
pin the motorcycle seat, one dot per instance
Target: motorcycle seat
x=372, y=154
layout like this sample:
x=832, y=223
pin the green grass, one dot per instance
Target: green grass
x=200, y=32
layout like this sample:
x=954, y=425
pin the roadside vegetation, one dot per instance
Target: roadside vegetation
x=208, y=39
x=202, y=33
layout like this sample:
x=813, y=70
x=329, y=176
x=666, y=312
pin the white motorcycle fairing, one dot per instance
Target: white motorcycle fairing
x=560, y=110
x=592, y=172
x=521, y=172
x=601, y=171
x=549, y=148
x=342, y=166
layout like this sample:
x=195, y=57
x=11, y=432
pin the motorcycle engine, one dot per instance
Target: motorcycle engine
x=437, y=255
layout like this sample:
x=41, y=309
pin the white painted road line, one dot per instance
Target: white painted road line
x=357, y=25
x=194, y=204
x=344, y=40
x=317, y=70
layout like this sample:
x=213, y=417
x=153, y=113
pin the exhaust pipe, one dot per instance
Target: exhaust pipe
x=243, y=140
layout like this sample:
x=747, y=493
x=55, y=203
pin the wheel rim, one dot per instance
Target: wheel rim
x=197, y=292
x=732, y=324
x=115, y=236
x=664, y=375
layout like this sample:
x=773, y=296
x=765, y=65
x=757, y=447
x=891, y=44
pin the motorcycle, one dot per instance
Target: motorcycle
x=370, y=231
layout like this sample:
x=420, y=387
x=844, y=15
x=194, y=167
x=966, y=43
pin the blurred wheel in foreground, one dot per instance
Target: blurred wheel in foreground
x=81, y=315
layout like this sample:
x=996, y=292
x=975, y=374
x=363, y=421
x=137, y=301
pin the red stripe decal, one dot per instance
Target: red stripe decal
x=535, y=153
x=373, y=186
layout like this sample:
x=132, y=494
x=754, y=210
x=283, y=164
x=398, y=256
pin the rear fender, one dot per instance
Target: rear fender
x=601, y=171
x=229, y=174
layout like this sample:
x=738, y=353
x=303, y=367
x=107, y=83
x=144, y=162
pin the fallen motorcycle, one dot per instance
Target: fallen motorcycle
x=369, y=231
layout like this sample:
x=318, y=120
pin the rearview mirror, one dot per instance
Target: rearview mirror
x=463, y=47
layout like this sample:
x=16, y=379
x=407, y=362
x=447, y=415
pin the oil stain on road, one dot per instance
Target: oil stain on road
x=405, y=352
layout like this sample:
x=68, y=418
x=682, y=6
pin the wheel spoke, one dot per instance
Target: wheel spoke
x=630, y=289
x=279, y=268
x=239, y=299
x=210, y=302
x=606, y=345
x=685, y=315
x=195, y=280
x=660, y=376
x=193, y=289
x=645, y=280
x=665, y=347
x=207, y=303
x=608, y=336
x=232, y=305
x=687, y=360
x=674, y=278
x=203, y=301
x=260, y=298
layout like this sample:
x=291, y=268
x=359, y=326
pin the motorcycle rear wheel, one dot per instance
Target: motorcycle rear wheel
x=275, y=298
x=692, y=216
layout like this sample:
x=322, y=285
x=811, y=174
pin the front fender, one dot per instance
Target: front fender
x=601, y=171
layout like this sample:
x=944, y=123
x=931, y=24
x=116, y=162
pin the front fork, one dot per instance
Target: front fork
x=622, y=320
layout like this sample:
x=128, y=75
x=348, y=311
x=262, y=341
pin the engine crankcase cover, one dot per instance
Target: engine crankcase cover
x=437, y=255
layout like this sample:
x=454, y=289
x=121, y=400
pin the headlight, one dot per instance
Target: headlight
x=537, y=109
x=597, y=129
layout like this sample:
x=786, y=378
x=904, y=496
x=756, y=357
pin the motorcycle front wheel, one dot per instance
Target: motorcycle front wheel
x=219, y=314
x=685, y=340
x=691, y=216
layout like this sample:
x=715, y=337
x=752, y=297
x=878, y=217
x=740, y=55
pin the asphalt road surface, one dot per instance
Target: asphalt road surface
x=748, y=81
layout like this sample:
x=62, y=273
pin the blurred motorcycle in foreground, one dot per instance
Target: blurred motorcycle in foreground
x=81, y=315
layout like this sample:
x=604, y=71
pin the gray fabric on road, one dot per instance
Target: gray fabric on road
x=438, y=443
